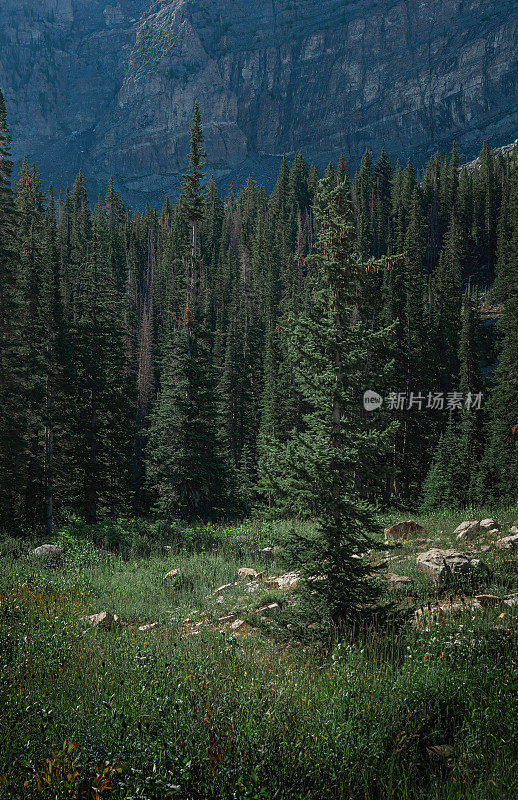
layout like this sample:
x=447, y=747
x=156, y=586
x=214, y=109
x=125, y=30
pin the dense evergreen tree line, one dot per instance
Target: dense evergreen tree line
x=159, y=361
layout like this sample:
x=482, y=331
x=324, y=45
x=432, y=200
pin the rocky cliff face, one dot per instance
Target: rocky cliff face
x=109, y=85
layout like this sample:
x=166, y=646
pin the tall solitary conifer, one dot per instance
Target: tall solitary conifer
x=323, y=461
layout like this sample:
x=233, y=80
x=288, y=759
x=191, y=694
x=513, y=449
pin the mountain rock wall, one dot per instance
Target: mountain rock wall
x=109, y=86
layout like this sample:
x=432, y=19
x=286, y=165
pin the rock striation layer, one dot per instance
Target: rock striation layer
x=109, y=85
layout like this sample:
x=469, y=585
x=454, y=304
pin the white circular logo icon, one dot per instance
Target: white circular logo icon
x=372, y=400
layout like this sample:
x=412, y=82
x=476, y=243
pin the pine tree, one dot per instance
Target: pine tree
x=323, y=460
x=446, y=305
x=57, y=407
x=500, y=468
x=102, y=431
x=185, y=468
x=452, y=479
x=192, y=196
x=11, y=414
x=184, y=464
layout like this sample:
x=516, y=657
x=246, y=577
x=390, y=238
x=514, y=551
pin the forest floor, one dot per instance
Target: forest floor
x=200, y=689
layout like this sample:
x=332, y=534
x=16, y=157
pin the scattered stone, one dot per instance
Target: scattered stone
x=511, y=600
x=287, y=581
x=272, y=608
x=49, y=553
x=171, y=576
x=149, y=627
x=398, y=583
x=404, y=530
x=508, y=542
x=513, y=529
x=237, y=624
x=246, y=574
x=490, y=525
x=224, y=588
x=442, y=565
x=488, y=600
x=440, y=752
x=226, y=619
x=267, y=553
x=467, y=530
x=104, y=620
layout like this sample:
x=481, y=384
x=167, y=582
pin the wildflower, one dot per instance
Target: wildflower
x=425, y=658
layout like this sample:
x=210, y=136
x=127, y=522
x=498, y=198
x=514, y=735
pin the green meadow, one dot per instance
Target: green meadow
x=192, y=708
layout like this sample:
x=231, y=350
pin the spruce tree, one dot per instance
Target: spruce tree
x=185, y=469
x=322, y=477
x=102, y=431
x=12, y=420
x=500, y=468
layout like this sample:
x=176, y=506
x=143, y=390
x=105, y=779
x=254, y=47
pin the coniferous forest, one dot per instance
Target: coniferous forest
x=218, y=417
x=157, y=361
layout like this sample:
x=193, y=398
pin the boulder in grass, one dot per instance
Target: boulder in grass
x=443, y=565
x=237, y=624
x=514, y=527
x=508, y=542
x=490, y=526
x=227, y=619
x=467, y=530
x=104, y=620
x=247, y=574
x=404, y=530
x=287, y=581
x=398, y=583
x=49, y=554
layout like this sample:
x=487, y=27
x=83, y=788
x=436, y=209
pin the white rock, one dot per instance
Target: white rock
x=48, y=552
x=467, y=529
x=171, y=575
x=442, y=565
x=246, y=574
x=104, y=620
x=404, y=530
x=508, y=542
x=224, y=588
x=151, y=626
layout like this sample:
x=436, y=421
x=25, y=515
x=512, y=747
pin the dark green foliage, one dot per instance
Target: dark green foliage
x=105, y=313
x=321, y=462
x=185, y=468
x=500, y=469
x=12, y=415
